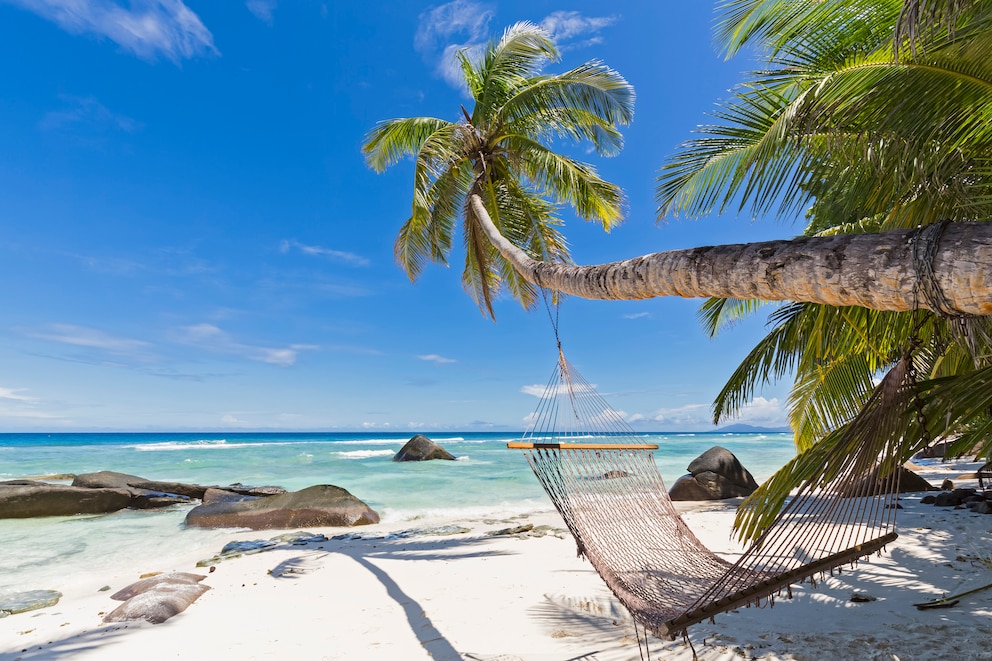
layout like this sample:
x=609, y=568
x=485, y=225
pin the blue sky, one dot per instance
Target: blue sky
x=190, y=239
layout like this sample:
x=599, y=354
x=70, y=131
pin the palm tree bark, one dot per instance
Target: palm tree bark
x=878, y=271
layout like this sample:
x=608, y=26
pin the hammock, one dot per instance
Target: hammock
x=604, y=482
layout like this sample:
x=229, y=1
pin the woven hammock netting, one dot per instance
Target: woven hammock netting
x=603, y=480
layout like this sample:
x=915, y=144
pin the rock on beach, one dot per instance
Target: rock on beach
x=714, y=475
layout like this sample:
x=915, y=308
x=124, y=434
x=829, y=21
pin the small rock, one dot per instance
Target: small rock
x=527, y=527
x=21, y=602
x=862, y=598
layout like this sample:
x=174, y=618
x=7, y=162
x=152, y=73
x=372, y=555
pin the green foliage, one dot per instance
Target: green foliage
x=501, y=151
x=869, y=115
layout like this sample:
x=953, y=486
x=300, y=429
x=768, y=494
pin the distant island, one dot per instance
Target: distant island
x=751, y=429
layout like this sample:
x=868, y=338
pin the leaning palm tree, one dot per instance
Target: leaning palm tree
x=467, y=168
x=500, y=152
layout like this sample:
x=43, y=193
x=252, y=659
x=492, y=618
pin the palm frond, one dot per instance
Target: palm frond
x=392, y=139
x=567, y=180
x=716, y=314
x=507, y=64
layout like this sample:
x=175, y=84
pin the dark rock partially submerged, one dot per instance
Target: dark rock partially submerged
x=421, y=448
x=714, y=475
x=21, y=501
x=320, y=505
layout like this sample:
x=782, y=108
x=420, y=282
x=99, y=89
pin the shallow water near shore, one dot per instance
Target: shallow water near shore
x=487, y=480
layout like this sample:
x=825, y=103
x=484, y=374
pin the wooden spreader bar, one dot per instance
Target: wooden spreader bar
x=522, y=445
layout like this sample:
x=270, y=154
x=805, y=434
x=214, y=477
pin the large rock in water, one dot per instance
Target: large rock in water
x=21, y=501
x=714, y=475
x=145, y=494
x=421, y=448
x=320, y=505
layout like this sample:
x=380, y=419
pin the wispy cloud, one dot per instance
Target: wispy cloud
x=638, y=315
x=319, y=251
x=763, y=412
x=148, y=28
x=86, y=113
x=15, y=406
x=449, y=28
x=12, y=395
x=262, y=9
x=688, y=416
x=570, y=29
x=212, y=338
x=464, y=25
x=561, y=389
x=435, y=358
x=92, y=338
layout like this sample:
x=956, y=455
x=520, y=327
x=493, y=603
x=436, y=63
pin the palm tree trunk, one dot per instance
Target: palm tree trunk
x=877, y=271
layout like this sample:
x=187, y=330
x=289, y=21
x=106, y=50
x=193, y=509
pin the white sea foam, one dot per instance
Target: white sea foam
x=364, y=454
x=209, y=444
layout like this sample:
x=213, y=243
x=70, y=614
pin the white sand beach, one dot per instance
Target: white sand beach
x=469, y=596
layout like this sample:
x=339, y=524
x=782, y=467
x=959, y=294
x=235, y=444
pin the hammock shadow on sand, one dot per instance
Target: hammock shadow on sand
x=603, y=480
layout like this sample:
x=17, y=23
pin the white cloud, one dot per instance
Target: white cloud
x=444, y=31
x=229, y=419
x=435, y=358
x=86, y=112
x=460, y=17
x=11, y=394
x=682, y=417
x=763, y=412
x=92, y=338
x=566, y=26
x=149, y=28
x=319, y=251
x=212, y=338
x=15, y=406
x=464, y=25
x=262, y=9
x=638, y=315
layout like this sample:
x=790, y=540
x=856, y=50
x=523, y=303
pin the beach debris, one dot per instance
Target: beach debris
x=947, y=602
x=150, y=574
x=714, y=475
x=316, y=506
x=436, y=531
x=21, y=499
x=237, y=549
x=515, y=530
x=157, y=599
x=947, y=485
x=862, y=598
x=421, y=448
x=105, y=588
x=303, y=564
x=22, y=602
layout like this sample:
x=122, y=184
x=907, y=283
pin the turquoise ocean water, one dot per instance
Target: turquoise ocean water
x=487, y=481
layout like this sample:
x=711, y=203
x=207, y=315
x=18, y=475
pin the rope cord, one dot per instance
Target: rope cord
x=616, y=506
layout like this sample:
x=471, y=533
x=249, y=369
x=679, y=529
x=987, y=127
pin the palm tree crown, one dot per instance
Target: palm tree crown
x=869, y=115
x=501, y=152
